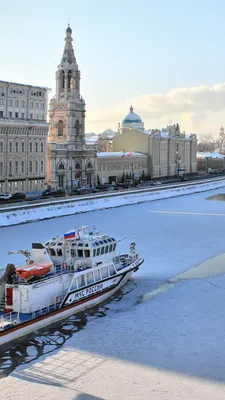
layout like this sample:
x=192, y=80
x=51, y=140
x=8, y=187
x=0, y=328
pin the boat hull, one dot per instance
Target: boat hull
x=30, y=326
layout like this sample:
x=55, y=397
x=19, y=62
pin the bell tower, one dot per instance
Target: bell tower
x=67, y=108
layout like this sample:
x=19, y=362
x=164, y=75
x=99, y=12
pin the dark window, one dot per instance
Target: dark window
x=80, y=253
x=102, y=250
x=1, y=114
x=114, y=247
x=98, y=251
x=94, y=253
x=106, y=249
x=52, y=252
x=59, y=252
x=16, y=114
x=72, y=252
x=110, y=248
x=87, y=253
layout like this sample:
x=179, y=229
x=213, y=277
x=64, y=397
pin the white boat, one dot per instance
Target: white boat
x=61, y=277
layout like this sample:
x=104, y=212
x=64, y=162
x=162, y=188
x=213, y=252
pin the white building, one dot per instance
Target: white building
x=23, y=137
x=69, y=158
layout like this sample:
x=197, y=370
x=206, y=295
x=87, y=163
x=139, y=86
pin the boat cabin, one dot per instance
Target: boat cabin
x=93, y=251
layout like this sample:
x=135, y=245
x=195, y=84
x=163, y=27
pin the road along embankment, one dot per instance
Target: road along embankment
x=20, y=214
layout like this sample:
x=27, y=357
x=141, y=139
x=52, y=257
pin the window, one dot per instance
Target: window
x=16, y=115
x=102, y=250
x=110, y=248
x=16, y=147
x=60, y=128
x=1, y=147
x=36, y=105
x=42, y=166
x=1, y=114
x=81, y=281
x=30, y=186
x=42, y=147
x=17, y=103
x=42, y=106
x=10, y=102
x=22, y=167
x=22, y=147
x=1, y=168
x=1, y=101
x=106, y=249
x=36, y=167
x=43, y=117
x=35, y=184
x=30, y=166
x=90, y=278
x=31, y=104
x=36, y=147
x=37, y=116
x=79, y=253
x=22, y=116
x=22, y=185
x=97, y=275
x=10, y=167
x=87, y=253
x=10, y=114
x=42, y=184
x=98, y=251
x=22, y=103
x=31, y=116
x=31, y=147
x=10, y=147
x=16, y=167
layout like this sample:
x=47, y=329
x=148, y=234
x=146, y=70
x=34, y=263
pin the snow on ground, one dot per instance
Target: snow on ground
x=170, y=346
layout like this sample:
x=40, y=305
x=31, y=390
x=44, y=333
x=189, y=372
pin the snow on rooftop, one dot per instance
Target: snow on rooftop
x=210, y=155
x=120, y=154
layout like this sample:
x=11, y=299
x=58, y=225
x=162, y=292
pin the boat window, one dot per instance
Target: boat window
x=73, y=244
x=79, y=253
x=80, y=244
x=74, y=285
x=52, y=252
x=86, y=245
x=47, y=243
x=110, y=248
x=112, y=270
x=59, y=244
x=102, y=250
x=96, y=243
x=72, y=252
x=100, y=242
x=53, y=244
x=59, y=252
x=106, y=249
x=105, y=241
x=109, y=240
x=104, y=272
x=86, y=253
x=90, y=278
x=81, y=281
x=98, y=251
x=97, y=275
x=114, y=246
x=94, y=253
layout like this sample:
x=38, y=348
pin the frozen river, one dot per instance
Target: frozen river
x=170, y=346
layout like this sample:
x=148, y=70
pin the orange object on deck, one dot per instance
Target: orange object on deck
x=30, y=271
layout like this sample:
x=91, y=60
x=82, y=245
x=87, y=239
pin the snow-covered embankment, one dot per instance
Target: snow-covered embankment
x=29, y=213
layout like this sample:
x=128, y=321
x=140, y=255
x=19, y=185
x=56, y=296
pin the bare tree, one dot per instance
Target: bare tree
x=206, y=144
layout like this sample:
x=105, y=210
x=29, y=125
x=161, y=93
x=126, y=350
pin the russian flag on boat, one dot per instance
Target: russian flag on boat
x=70, y=235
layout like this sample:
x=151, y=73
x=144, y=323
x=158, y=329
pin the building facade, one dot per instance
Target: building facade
x=170, y=152
x=23, y=137
x=70, y=160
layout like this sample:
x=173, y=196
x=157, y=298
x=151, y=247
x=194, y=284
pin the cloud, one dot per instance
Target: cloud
x=190, y=105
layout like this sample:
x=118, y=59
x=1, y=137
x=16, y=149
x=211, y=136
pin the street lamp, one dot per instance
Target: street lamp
x=71, y=178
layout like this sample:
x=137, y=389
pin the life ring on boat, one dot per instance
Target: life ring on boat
x=64, y=265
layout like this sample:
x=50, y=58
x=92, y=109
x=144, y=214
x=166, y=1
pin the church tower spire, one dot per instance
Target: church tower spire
x=68, y=74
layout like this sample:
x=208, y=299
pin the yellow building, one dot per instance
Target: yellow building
x=170, y=152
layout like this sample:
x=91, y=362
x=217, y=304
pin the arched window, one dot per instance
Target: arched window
x=10, y=147
x=60, y=128
x=1, y=147
x=42, y=166
x=22, y=167
x=30, y=166
x=70, y=80
x=16, y=147
x=36, y=147
x=77, y=166
x=16, y=167
x=31, y=147
x=61, y=166
x=62, y=80
x=36, y=167
x=1, y=168
x=10, y=167
x=42, y=147
x=77, y=128
x=22, y=147
x=89, y=165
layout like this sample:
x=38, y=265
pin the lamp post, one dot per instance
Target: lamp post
x=71, y=178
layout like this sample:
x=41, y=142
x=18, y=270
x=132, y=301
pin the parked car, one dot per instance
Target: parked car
x=5, y=196
x=156, y=183
x=54, y=193
x=18, y=196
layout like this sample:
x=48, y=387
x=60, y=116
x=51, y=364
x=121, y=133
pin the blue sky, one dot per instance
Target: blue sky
x=124, y=49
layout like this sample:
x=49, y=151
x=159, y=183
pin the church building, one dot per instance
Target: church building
x=70, y=160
